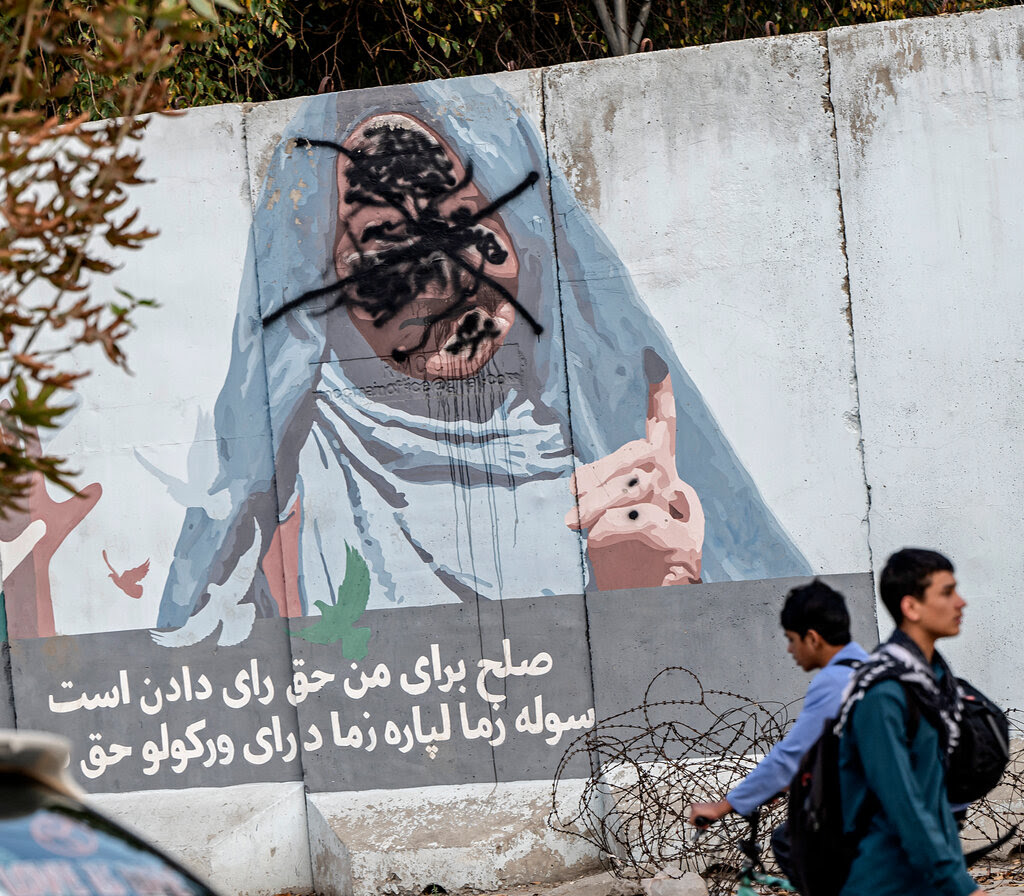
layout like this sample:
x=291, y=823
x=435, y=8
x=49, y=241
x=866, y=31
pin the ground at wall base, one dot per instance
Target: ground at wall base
x=999, y=878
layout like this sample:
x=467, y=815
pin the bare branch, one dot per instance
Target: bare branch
x=621, y=26
x=611, y=32
x=638, y=29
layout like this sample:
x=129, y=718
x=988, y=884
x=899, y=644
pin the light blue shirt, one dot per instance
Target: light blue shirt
x=776, y=770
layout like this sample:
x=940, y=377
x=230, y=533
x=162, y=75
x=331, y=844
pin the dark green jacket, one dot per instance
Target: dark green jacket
x=912, y=847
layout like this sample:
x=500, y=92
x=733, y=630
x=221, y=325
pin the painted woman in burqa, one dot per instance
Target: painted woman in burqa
x=435, y=354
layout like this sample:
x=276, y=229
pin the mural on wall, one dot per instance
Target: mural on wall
x=404, y=322
x=446, y=417
x=29, y=538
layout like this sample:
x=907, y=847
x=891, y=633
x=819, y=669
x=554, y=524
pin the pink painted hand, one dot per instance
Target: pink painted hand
x=645, y=526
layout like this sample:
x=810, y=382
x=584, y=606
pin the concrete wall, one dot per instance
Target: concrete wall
x=332, y=606
x=928, y=124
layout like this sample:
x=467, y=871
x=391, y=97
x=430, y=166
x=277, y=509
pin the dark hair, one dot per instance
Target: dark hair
x=908, y=572
x=816, y=606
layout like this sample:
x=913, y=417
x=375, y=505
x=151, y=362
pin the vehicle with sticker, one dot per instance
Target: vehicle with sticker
x=53, y=844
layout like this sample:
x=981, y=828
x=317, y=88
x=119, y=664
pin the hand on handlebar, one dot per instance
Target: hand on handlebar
x=702, y=814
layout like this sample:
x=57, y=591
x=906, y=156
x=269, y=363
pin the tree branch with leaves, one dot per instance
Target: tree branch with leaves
x=64, y=200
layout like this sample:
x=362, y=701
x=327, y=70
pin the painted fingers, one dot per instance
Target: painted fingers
x=645, y=525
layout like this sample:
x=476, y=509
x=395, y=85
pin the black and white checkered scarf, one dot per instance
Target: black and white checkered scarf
x=900, y=658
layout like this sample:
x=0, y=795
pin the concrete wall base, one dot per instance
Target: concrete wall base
x=492, y=836
x=330, y=858
x=248, y=839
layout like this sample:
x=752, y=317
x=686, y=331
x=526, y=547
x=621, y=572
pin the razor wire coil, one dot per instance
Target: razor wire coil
x=648, y=764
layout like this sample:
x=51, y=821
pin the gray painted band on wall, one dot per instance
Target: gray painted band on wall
x=445, y=695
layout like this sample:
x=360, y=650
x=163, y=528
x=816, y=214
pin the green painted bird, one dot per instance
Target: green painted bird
x=337, y=621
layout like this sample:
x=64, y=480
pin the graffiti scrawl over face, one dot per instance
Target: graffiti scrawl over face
x=426, y=268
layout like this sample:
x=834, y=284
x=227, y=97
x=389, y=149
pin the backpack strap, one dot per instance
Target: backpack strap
x=913, y=716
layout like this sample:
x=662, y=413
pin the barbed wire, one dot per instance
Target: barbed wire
x=995, y=815
x=649, y=763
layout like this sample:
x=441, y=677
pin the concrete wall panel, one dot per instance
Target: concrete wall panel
x=732, y=627
x=494, y=836
x=7, y=719
x=143, y=442
x=142, y=716
x=931, y=143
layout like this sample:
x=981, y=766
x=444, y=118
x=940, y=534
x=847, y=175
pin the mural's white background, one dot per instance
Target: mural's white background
x=199, y=201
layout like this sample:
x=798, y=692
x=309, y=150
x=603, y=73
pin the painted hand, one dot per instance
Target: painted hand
x=645, y=526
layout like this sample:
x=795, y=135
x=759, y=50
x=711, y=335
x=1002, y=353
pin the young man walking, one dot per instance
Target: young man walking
x=892, y=777
x=817, y=628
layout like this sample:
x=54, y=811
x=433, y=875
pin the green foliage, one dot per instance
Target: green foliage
x=275, y=49
x=102, y=59
x=256, y=50
x=338, y=621
x=392, y=41
x=681, y=23
x=248, y=57
x=63, y=198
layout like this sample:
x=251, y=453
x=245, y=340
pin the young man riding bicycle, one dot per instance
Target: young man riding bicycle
x=817, y=628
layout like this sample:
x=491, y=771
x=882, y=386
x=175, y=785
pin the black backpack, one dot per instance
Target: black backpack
x=821, y=853
x=979, y=760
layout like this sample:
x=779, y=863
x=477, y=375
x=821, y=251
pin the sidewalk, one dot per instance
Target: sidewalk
x=1003, y=879
x=997, y=878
